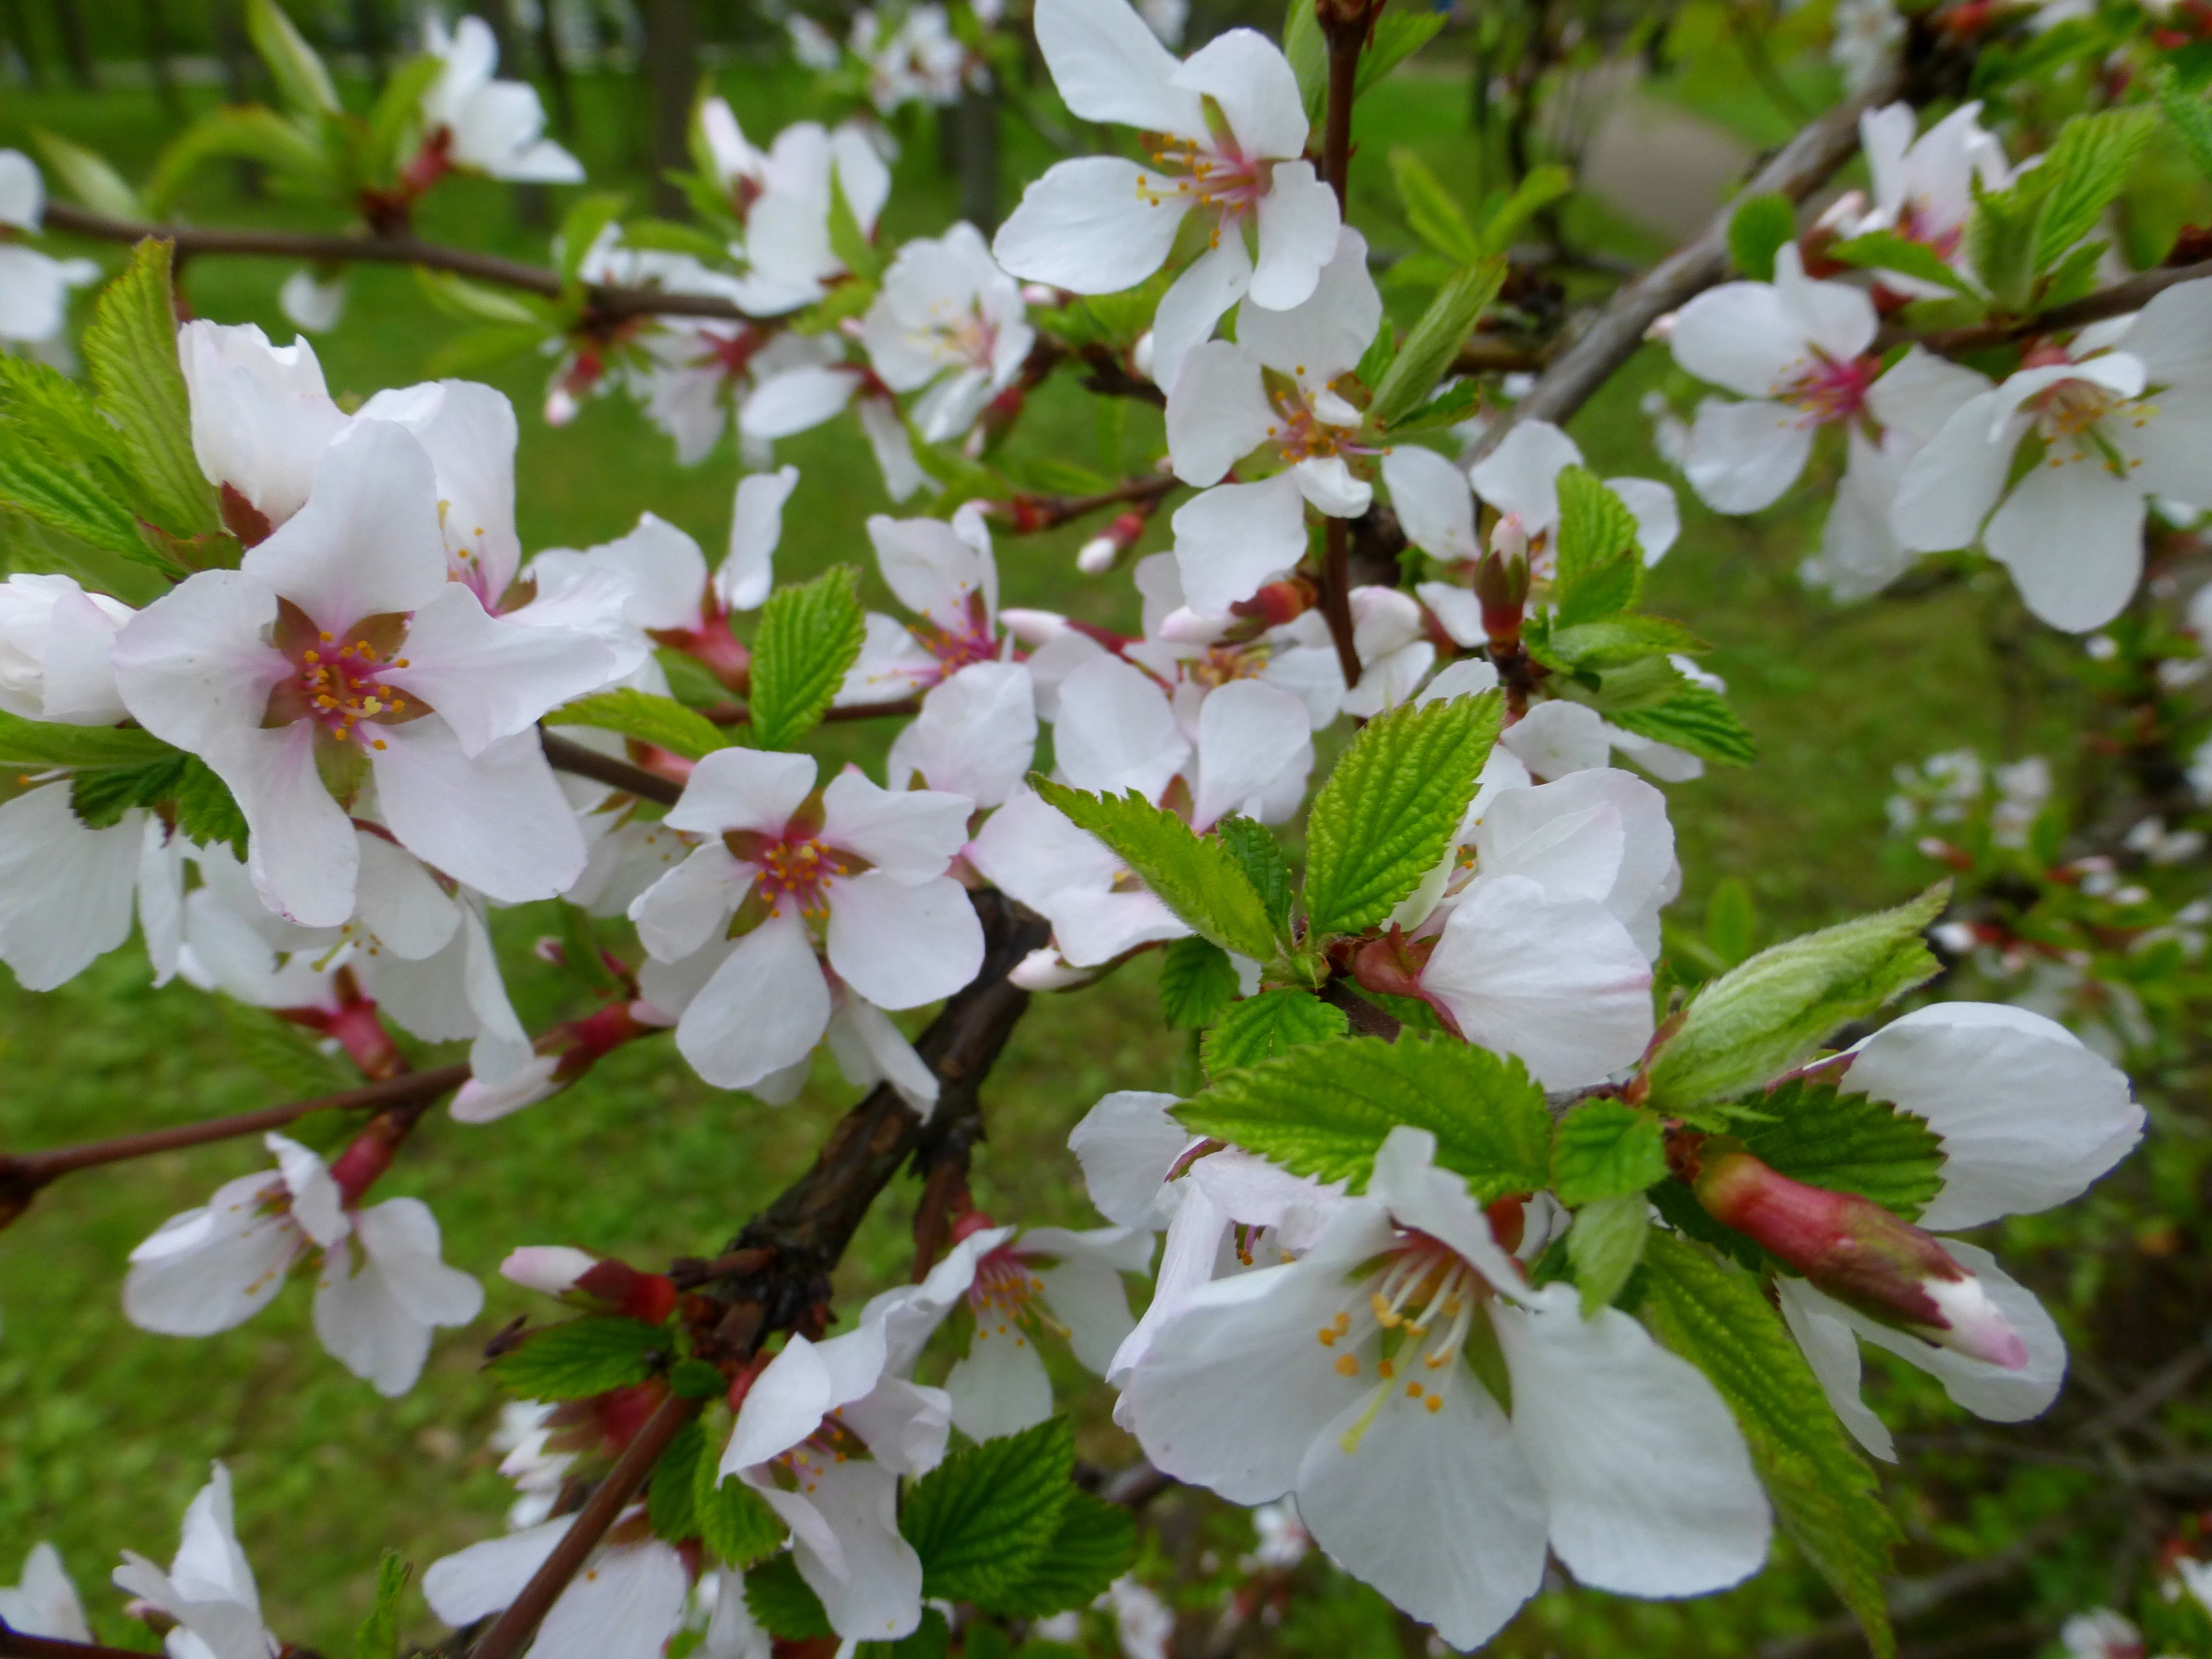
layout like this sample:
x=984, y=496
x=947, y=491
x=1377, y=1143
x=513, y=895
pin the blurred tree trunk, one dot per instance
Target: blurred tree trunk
x=158, y=55
x=977, y=118
x=19, y=32
x=533, y=205
x=671, y=77
x=75, y=47
x=368, y=33
x=556, y=74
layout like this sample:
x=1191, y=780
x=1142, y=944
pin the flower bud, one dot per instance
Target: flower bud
x=1102, y=551
x=1501, y=580
x=1033, y=628
x=54, y=641
x=1043, y=971
x=1858, y=1253
x=558, y=1270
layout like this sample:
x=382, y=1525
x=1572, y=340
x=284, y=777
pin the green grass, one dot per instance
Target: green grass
x=105, y=1431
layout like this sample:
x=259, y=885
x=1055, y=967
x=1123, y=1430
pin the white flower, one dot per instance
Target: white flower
x=919, y=62
x=54, y=643
x=2100, y=1634
x=208, y=1589
x=1865, y=33
x=2123, y=413
x=1143, y=1624
x=787, y=253
x=312, y=302
x=1101, y=223
x=45, y=1602
x=1795, y=349
x=339, y=643
x=34, y=288
x=382, y=1287
x=67, y=891
x=947, y=319
x=1924, y=187
x=701, y=369
x=1234, y=537
x=261, y=414
x=625, y=1603
x=493, y=127
x=866, y=865
x=524, y=1436
x=1618, y=1456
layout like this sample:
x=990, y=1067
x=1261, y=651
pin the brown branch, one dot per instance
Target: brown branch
x=1027, y=515
x=565, y=755
x=15, y=1644
x=23, y=1174
x=736, y=713
x=1336, y=595
x=2117, y=301
x=1799, y=168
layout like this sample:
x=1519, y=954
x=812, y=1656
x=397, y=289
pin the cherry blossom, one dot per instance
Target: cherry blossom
x=44, y=1601
x=312, y=301
x=472, y=121
x=787, y=253
x=68, y=891
x=1101, y=223
x=701, y=371
x=34, y=287
x=1924, y=187
x=947, y=323
x=208, y=1589
x=625, y=1603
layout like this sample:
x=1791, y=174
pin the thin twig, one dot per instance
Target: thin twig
x=565, y=755
x=1027, y=515
x=15, y=1644
x=2117, y=301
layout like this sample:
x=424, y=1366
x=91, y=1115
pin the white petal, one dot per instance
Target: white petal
x=1216, y=410
x=679, y=912
x=365, y=1328
x=481, y=1580
x=625, y=1604
x=1658, y=516
x=764, y=1009
x=1742, y=336
x=756, y=527
x=1033, y=852
x=315, y=1200
x=1556, y=739
x=1950, y=486
x=1234, y=538
x=1109, y=66
x=874, y=1592
x=1298, y=225
x=497, y=822
x=197, y=662
x=2072, y=537
x=1116, y=731
x=977, y=734
x=1247, y=735
x=1247, y=76
x=1126, y=1145
x=1328, y=332
x=1743, y=456
x=400, y=1236
x=1419, y=1196
x=1088, y=1296
x=469, y=432
x=796, y=400
x=1921, y=392
x=65, y=890
x=45, y=1603
x=1208, y=286
x=901, y=945
x=209, y=1269
x=1435, y=507
x=1833, y=1351
x=1000, y=1387
x=488, y=678
x=399, y=902
x=302, y=855
x=743, y=789
x=2171, y=333
x=937, y=569
x=1085, y=226
x=368, y=543
x=261, y=415
x=786, y=1404
x=1521, y=475
x=911, y=835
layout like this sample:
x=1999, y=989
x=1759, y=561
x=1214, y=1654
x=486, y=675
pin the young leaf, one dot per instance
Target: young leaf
x=1396, y=36
x=1253, y=845
x=303, y=85
x=736, y=1525
x=2189, y=115
x=40, y=743
x=1731, y=924
x=808, y=637
x=100, y=796
x=982, y=1519
x=1618, y=640
x=1430, y=211
x=1885, y=250
x=1455, y=403
x=1601, y=567
x=1389, y=810
x=1259, y=1028
x=88, y=176
x=66, y=498
x=378, y=1635
x=1539, y=188
x=661, y=721
x=1716, y=1317
x=581, y=1357
x=586, y=217
x=1761, y=227
x=1094, y=1544
x=1309, y=54
x=671, y=1499
x=1603, y=1149
x=1757, y=1021
x=1606, y=1245
x=784, y=1604
x=1436, y=339
x=2083, y=174
x=130, y=347
x=1197, y=981
x=1848, y=1143
x=1323, y=1110
x=206, y=812
x=1195, y=876
x=1694, y=718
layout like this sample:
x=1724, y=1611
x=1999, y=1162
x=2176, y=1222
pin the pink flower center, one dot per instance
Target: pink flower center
x=797, y=869
x=1422, y=1299
x=335, y=679
x=1833, y=390
x=1195, y=175
x=1004, y=1296
x=972, y=641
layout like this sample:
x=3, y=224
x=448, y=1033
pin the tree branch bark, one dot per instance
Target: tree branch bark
x=2123, y=297
x=566, y=754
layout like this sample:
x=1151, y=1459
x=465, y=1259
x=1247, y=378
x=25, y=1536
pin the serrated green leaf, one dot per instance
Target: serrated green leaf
x=1885, y=250
x=1758, y=1021
x=2188, y=114
x=1389, y=810
x=931, y=1639
x=2083, y=174
x=1459, y=401
x=283, y=1053
x=303, y=85
x=1760, y=228
x=40, y=743
x=65, y=498
x=671, y=1497
x=1195, y=876
x=130, y=348
x=809, y=636
x=1601, y=568
x=1435, y=340
x=649, y=718
x=783, y=1604
x=1603, y=1149
x=1260, y=856
x=736, y=1524
x=1323, y=1110
x=1094, y=1544
x=981, y=1520
x=100, y=796
x=1848, y=1143
x=206, y=812
x=377, y=1636
x=1539, y=188
x=1262, y=1027
x=581, y=1357
x=1617, y=641
x=1717, y=1318
x=1432, y=213
x=1606, y=1245
x=586, y=217
x=1197, y=981
x=88, y=176
x=1694, y=718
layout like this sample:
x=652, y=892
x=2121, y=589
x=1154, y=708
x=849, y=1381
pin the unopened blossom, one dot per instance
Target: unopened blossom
x=484, y=125
x=261, y=416
x=947, y=323
x=34, y=287
x=45, y=1601
x=1101, y=223
x=340, y=648
x=2123, y=413
x=68, y=891
x=312, y=301
x=208, y=1589
x=865, y=866
x=1343, y=1378
x=1276, y=390
x=625, y=1602
x=382, y=1286
x=1924, y=187
x=1796, y=351
x=55, y=639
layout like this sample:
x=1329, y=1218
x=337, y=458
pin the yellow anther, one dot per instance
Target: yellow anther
x=1347, y=1364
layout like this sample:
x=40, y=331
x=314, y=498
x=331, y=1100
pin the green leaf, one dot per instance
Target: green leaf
x=130, y=348
x=1885, y=250
x=2189, y=115
x=207, y=813
x=586, y=216
x=1432, y=213
x=1606, y=1245
x=1396, y=36
x=73, y=500
x=582, y=1357
x=88, y=176
x=846, y=240
x=1601, y=566
x=1604, y=1149
x=1694, y=718
x=1716, y=1318
x=809, y=637
x=1616, y=642
x=688, y=1379
x=303, y=85
x=784, y=1604
x=283, y=1053
x=984, y=1518
x=1197, y=981
x=1262, y=1027
x=1095, y=1543
x=479, y=349
x=1197, y=876
x=931, y=1639
x=2002, y=240
x=53, y=411
x=1382, y=351
x=1761, y=227
x=1436, y=339
x=252, y=134
x=649, y=718
x=1253, y=845
x=1390, y=810
x=666, y=236
x=1458, y=402
x=1731, y=923
x=377, y=1636
x=1323, y=1110
x=1757, y=1021
x=41, y=744
x=398, y=110
x=101, y=796
x=736, y=1524
x=1539, y=188
x=1848, y=1143
x=1303, y=45
x=477, y=302
x=671, y=1498
x=2083, y=174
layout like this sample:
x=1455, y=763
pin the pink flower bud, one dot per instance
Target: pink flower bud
x=559, y=1270
x=1096, y=557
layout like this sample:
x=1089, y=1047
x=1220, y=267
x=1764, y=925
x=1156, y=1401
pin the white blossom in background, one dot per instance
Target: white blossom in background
x=208, y=1589
x=947, y=323
x=1100, y=223
x=485, y=126
x=55, y=642
x=44, y=1603
x=34, y=287
x=1865, y=34
x=68, y=892
x=920, y=61
x=312, y=300
x=787, y=254
x=1924, y=186
x=625, y=1602
x=2102, y=1633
